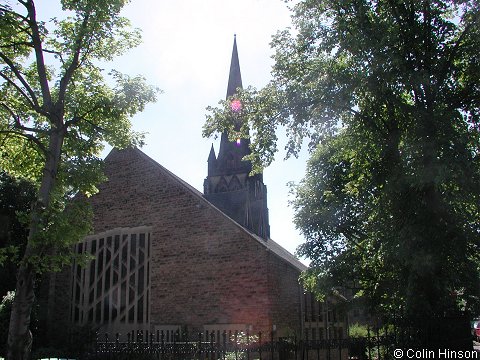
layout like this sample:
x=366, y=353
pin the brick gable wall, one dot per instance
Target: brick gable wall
x=205, y=268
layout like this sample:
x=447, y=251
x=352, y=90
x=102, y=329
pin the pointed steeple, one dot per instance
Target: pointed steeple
x=212, y=160
x=235, y=77
x=231, y=153
x=228, y=184
x=212, y=156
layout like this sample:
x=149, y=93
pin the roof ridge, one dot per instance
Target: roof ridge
x=269, y=244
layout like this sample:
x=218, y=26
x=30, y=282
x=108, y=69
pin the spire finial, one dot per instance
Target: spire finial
x=235, y=77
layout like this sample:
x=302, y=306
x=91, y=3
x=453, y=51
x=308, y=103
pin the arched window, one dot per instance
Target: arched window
x=231, y=161
x=222, y=185
x=234, y=184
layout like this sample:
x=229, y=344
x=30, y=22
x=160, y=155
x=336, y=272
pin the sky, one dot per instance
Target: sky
x=186, y=52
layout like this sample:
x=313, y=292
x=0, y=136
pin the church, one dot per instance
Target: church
x=168, y=258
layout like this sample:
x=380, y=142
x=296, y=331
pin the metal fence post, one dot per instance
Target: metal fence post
x=296, y=346
x=117, y=342
x=96, y=343
x=260, y=345
x=340, y=349
x=236, y=344
x=369, y=344
x=199, y=345
x=271, y=343
x=224, y=350
x=162, y=345
x=212, y=348
x=248, y=344
x=175, y=344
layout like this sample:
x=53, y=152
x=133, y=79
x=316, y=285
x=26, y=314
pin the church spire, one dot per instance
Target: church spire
x=235, y=77
x=231, y=153
x=228, y=184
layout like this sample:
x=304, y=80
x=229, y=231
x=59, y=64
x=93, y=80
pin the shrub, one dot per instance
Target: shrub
x=5, y=309
x=357, y=331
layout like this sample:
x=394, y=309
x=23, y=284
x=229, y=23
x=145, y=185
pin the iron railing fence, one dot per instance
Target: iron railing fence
x=240, y=346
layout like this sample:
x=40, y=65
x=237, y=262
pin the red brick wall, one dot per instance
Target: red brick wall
x=287, y=295
x=205, y=269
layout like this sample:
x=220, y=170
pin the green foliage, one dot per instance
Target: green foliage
x=5, y=312
x=16, y=197
x=62, y=227
x=5, y=308
x=8, y=253
x=388, y=94
x=243, y=338
x=242, y=341
x=260, y=108
x=357, y=330
x=92, y=111
x=57, y=110
x=69, y=101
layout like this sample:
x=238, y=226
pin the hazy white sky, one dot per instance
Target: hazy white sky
x=186, y=51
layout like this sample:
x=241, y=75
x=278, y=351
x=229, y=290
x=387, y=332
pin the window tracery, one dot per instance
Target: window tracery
x=115, y=286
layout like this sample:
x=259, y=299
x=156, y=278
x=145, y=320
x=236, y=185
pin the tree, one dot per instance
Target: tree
x=388, y=93
x=56, y=112
x=16, y=196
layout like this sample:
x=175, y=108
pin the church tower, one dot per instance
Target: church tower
x=228, y=185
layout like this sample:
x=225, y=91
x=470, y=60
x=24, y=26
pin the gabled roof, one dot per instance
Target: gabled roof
x=269, y=244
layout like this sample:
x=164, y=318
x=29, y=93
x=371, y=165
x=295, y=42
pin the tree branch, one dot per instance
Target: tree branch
x=9, y=11
x=454, y=50
x=28, y=137
x=65, y=80
x=18, y=124
x=58, y=53
x=37, y=45
x=33, y=101
x=18, y=26
x=76, y=119
x=21, y=43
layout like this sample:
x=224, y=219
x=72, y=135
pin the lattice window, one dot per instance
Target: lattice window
x=115, y=286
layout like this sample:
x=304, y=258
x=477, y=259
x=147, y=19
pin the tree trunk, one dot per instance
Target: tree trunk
x=19, y=335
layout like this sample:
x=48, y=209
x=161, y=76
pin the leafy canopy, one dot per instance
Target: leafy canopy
x=52, y=89
x=56, y=111
x=388, y=93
